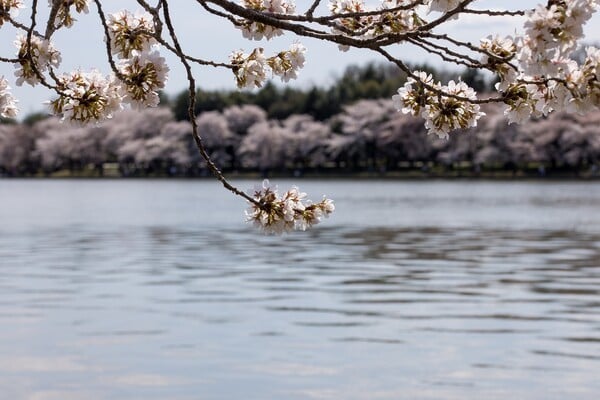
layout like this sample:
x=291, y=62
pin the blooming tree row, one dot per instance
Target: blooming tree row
x=536, y=70
x=366, y=136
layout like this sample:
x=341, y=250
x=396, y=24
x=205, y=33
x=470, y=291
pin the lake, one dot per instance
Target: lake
x=157, y=289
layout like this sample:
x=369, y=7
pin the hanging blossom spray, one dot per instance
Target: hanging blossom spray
x=277, y=214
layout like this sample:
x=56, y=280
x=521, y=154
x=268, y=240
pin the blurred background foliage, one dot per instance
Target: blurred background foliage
x=349, y=128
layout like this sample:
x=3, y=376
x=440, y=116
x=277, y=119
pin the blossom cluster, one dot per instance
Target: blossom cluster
x=543, y=76
x=130, y=33
x=251, y=70
x=8, y=104
x=275, y=214
x=444, y=108
x=86, y=96
x=140, y=73
x=257, y=30
x=537, y=71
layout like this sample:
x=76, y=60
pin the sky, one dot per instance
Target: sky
x=210, y=37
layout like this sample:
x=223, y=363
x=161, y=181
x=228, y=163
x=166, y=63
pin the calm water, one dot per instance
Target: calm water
x=412, y=290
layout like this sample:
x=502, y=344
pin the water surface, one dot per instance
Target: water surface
x=412, y=290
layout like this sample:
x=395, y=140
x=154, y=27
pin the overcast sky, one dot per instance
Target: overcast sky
x=209, y=37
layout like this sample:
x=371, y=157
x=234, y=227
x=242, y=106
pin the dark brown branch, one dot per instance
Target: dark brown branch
x=503, y=13
x=192, y=100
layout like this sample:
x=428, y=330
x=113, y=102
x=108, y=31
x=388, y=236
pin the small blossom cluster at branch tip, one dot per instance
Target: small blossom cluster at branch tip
x=251, y=70
x=277, y=214
x=8, y=104
x=257, y=30
x=9, y=9
x=34, y=58
x=444, y=109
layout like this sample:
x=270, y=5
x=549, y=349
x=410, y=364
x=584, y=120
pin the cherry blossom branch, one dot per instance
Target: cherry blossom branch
x=191, y=113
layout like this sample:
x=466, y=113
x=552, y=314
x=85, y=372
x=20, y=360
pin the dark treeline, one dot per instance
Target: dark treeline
x=369, y=135
x=373, y=81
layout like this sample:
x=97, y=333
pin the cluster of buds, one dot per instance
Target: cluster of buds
x=251, y=70
x=257, y=30
x=444, y=108
x=9, y=9
x=8, y=104
x=276, y=214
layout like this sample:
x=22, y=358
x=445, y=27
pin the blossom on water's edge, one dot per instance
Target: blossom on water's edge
x=290, y=211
